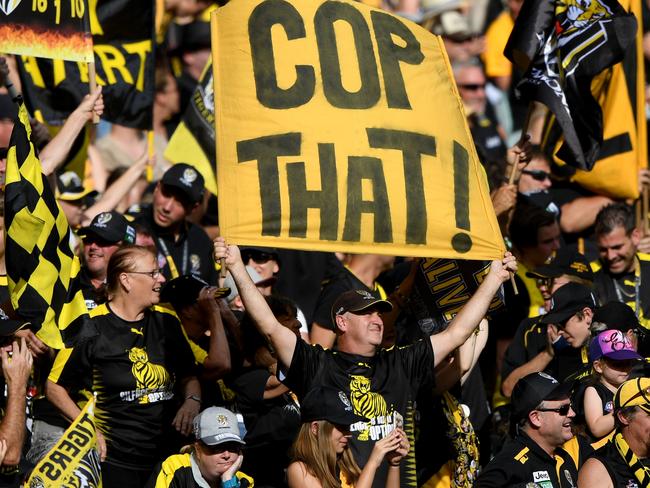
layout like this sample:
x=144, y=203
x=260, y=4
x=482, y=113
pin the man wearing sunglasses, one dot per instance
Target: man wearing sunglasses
x=623, y=461
x=542, y=416
x=104, y=235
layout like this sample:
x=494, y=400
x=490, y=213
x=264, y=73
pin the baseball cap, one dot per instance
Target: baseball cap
x=568, y=300
x=533, y=389
x=111, y=227
x=71, y=187
x=9, y=327
x=633, y=393
x=328, y=403
x=187, y=179
x=217, y=425
x=617, y=315
x=183, y=290
x=612, y=344
x=229, y=282
x=357, y=301
x=565, y=262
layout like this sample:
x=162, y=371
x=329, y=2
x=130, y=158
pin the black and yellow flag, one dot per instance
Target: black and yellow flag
x=42, y=270
x=620, y=92
x=73, y=461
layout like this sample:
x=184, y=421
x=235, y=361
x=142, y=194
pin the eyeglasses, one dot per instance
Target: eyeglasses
x=537, y=174
x=154, y=274
x=472, y=86
x=547, y=282
x=563, y=410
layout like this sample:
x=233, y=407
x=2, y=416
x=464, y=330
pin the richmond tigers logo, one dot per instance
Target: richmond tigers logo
x=366, y=403
x=147, y=375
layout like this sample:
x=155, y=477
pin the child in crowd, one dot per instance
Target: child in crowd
x=612, y=357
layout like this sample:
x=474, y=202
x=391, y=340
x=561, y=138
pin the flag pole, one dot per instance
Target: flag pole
x=644, y=210
x=92, y=82
x=151, y=153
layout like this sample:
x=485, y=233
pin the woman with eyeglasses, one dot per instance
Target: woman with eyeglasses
x=138, y=361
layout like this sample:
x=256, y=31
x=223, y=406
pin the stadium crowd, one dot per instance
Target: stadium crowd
x=311, y=369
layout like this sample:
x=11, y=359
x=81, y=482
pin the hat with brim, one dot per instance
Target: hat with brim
x=112, y=227
x=533, y=389
x=73, y=196
x=566, y=262
x=328, y=403
x=567, y=301
x=612, y=344
x=217, y=425
x=633, y=393
x=182, y=291
x=356, y=301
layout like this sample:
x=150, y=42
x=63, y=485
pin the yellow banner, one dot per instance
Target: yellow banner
x=339, y=127
x=73, y=461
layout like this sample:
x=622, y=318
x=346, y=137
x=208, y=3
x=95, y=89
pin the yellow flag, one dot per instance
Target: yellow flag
x=73, y=461
x=339, y=127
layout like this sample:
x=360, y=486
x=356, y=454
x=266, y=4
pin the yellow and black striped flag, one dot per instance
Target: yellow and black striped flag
x=42, y=270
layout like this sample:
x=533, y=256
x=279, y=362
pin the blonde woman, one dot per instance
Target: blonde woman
x=321, y=457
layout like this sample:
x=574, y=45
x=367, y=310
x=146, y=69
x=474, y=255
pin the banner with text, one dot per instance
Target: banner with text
x=123, y=35
x=54, y=29
x=339, y=127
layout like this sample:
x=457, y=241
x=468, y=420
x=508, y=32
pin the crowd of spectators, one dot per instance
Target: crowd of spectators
x=310, y=369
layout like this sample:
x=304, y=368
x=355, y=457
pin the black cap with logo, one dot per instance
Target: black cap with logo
x=567, y=301
x=533, y=389
x=111, y=227
x=186, y=179
x=357, y=301
x=565, y=262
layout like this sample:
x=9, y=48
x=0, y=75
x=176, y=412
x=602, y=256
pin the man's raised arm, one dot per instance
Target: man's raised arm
x=469, y=317
x=283, y=340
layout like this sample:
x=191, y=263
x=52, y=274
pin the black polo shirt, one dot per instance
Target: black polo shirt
x=191, y=253
x=523, y=463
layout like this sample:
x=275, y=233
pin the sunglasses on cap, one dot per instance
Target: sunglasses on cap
x=472, y=86
x=562, y=410
x=537, y=174
x=258, y=257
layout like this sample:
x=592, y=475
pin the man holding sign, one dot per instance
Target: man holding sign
x=381, y=383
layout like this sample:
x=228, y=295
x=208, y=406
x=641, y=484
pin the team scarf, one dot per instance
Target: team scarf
x=464, y=441
x=641, y=472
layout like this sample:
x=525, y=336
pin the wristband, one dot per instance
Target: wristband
x=231, y=483
x=193, y=397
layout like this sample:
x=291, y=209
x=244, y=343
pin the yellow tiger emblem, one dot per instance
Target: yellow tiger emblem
x=147, y=375
x=366, y=403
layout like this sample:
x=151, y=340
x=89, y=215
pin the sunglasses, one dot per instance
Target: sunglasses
x=563, y=410
x=472, y=86
x=220, y=448
x=258, y=257
x=537, y=174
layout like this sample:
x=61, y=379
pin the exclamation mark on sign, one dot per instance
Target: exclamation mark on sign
x=461, y=242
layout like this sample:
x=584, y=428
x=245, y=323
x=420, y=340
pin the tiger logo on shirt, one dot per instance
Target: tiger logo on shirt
x=148, y=376
x=366, y=403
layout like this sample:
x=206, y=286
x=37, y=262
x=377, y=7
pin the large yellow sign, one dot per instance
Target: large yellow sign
x=339, y=127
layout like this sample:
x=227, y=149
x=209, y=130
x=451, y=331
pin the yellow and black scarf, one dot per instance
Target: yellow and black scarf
x=641, y=472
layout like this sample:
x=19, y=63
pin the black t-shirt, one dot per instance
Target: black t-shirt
x=134, y=367
x=92, y=296
x=523, y=463
x=618, y=470
x=344, y=281
x=4, y=289
x=271, y=427
x=377, y=386
x=191, y=253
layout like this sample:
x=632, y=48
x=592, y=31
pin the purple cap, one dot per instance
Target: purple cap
x=612, y=344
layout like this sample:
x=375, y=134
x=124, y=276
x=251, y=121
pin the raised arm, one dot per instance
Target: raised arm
x=469, y=317
x=282, y=339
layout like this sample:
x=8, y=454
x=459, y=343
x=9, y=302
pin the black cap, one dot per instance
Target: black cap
x=565, y=262
x=533, y=389
x=9, y=327
x=617, y=315
x=183, y=290
x=71, y=187
x=111, y=227
x=568, y=300
x=187, y=179
x=356, y=301
x=328, y=403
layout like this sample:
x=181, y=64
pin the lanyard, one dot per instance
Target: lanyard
x=637, y=286
x=170, y=261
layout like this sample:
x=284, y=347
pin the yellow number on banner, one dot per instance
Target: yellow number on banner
x=40, y=5
x=57, y=4
x=77, y=8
